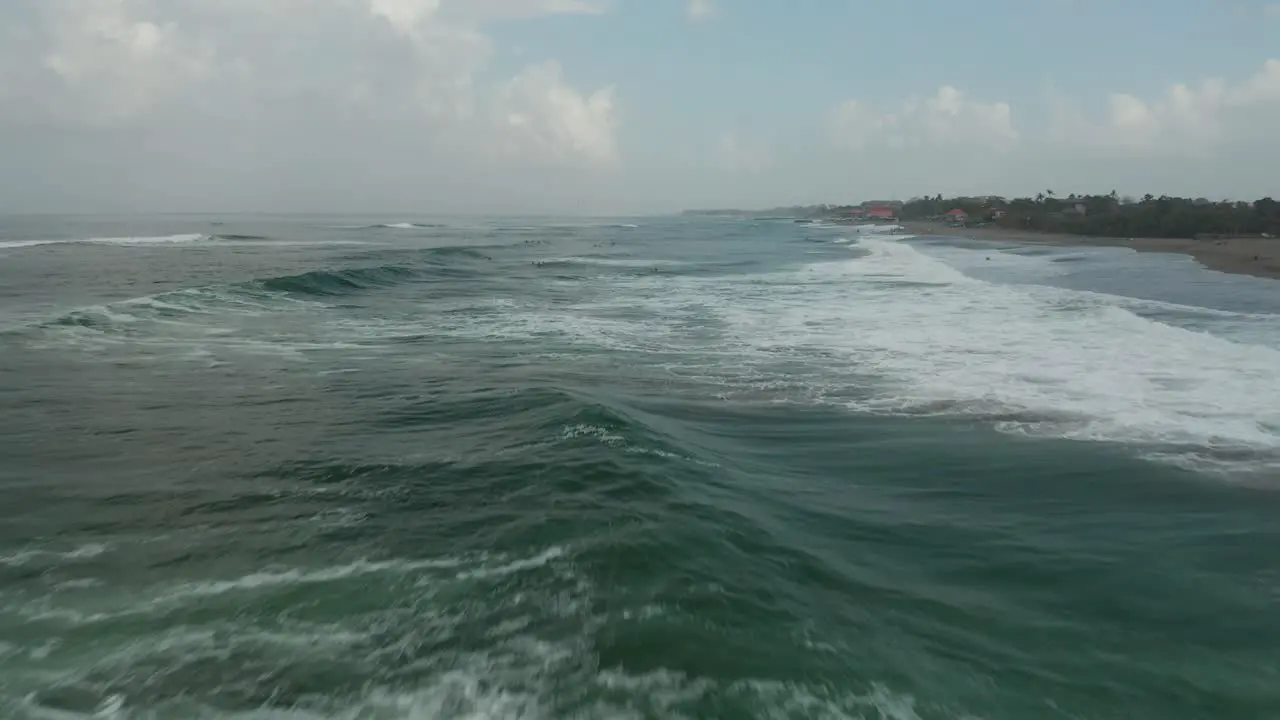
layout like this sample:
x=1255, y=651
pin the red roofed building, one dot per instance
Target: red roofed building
x=957, y=215
x=881, y=213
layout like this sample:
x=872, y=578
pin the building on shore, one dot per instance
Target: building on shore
x=882, y=213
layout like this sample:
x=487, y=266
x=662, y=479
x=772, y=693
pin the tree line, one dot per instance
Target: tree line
x=1110, y=215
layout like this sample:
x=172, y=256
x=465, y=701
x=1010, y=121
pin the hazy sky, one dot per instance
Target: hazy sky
x=621, y=106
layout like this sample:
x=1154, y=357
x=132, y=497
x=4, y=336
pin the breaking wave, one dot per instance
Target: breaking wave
x=340, y=282
x=179, y=239
x=176, y=309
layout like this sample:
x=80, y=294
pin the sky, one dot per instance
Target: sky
x=615, y=107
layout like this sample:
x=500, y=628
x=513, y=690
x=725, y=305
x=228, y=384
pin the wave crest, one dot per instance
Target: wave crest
x=339, y=282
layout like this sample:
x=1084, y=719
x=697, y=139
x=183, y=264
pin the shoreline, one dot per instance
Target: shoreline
x=1257, y=257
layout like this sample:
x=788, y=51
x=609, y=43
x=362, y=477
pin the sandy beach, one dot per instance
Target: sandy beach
x=1245, y=256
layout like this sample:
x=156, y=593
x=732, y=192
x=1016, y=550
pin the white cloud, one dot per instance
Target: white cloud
x=280, y=85
x=947, y=119
x=1185, y=120
x=405, y=16
x=490, y=10
x=701, y=9
x=573, y=7
x=542, y=113
x=108, y=62
x=337, y=104
x=1214, y=138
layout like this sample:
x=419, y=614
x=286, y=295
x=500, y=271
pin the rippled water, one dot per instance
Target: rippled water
x=282, y=467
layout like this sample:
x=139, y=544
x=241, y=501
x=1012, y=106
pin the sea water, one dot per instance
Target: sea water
x=323, y=467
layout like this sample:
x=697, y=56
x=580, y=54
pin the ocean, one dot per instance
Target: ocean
x=382, y=468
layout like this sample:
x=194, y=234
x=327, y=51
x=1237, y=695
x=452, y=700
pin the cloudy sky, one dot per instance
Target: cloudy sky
x=627, y=106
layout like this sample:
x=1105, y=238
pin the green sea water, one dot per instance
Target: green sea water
x=281, y=467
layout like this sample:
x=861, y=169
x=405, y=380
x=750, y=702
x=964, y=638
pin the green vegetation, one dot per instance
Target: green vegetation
x=1109, y=215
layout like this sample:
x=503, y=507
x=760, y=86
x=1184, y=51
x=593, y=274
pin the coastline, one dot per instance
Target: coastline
x=1259, y=257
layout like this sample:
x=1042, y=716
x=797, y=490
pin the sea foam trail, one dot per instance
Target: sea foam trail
x=1083, y=364
x=387, y=662
x=181, y=238
x=178, y=240
x=897, y=331
x=408, y=226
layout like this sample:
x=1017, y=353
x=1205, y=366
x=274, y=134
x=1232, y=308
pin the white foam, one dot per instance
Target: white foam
x=487, y=687
x=163, y=599
x=519, y=682
x=594, y=431
x=135, y=240
x=520, y=672
x=899, y=331
x=513, y=566
x=298, y=576
x=27, y=556
x=1090, y=367
x=623, y=262
x=13, y=244
x=877, y=229
x=156, y=240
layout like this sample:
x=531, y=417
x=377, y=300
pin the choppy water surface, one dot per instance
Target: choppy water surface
x=653, y=468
